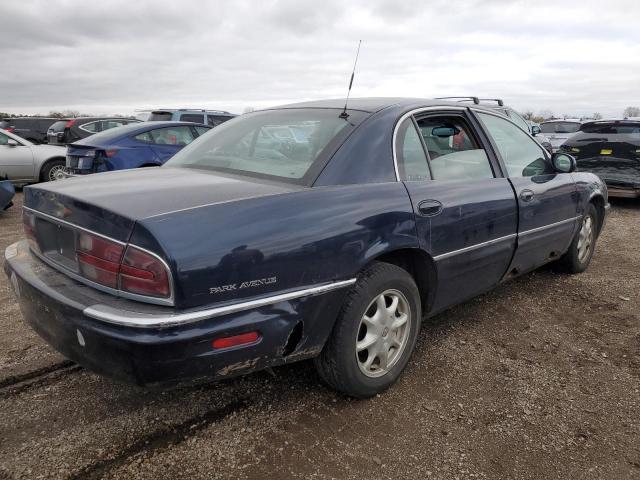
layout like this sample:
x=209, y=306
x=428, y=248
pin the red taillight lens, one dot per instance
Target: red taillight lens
x=110, y=153
x=99, y=259
x=143, y=274
x=235, y=340
x=69, y=124
x=10, y=129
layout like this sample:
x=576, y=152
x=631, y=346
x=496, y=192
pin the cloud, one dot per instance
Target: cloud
x=106, y=57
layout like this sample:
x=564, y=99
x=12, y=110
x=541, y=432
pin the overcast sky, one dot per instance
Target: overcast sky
x=574, y=57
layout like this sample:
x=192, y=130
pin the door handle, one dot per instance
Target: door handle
x=429, y=208
x=526, y=195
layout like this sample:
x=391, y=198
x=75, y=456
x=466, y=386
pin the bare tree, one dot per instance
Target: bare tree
x=597, y=116
x=528, y=115
x=631, y=112
x=546, y=114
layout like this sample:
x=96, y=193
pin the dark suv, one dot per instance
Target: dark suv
x=33, y=129
x=611, y=150
x=69, y=130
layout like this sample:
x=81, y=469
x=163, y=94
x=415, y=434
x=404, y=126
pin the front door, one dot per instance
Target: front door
x=547, y=201
x=16, y=162
x=466, y=213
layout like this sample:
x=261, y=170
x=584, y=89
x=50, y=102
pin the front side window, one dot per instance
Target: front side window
x=255, y=144
x=521, y=122
x=4, y=139
x=454, y=152
x=522, y=156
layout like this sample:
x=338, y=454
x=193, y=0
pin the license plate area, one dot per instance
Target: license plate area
x=57, y=242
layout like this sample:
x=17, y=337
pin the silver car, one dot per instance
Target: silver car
x=559, y=131
x=25, y=162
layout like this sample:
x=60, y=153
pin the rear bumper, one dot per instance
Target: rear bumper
x=160, y=351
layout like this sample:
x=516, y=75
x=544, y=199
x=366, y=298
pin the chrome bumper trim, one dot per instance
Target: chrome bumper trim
x=127, y=318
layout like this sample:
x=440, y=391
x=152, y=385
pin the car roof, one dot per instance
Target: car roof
x=375, y=104
x=613, y=121
x=188, y=110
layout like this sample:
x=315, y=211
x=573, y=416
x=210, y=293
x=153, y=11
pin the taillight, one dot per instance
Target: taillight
x=143, y=274
x=110, y=153
x=99, y=259
x=29, y=226
x=128, y=269
x=10, y=129
x=69, y=124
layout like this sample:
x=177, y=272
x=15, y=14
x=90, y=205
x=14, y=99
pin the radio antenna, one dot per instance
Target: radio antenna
x=344, y=113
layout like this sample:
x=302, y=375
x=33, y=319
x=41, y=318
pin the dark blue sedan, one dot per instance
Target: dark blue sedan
x=131, y=146
x=298, y=232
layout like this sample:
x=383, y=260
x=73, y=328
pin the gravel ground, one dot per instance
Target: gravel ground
x=537, y=379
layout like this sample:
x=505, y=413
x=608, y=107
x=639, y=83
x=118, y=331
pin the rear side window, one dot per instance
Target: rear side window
x=160, y=116
x=214, y=120
x=192, y=117
x=453, y=151
x=522, y=156
x=92, y=127
x=412, y=161
x=202, y=130
x=107, y=124
x=167, y=136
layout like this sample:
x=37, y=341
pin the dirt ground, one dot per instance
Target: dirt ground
x=537, y=379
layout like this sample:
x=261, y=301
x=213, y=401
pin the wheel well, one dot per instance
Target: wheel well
x=49, y=162
x=598, y=202
x=420, y=266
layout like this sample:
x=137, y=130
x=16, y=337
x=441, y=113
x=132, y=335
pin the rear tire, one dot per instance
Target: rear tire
x=375, y=333
x=53, y=170
x=578, y=257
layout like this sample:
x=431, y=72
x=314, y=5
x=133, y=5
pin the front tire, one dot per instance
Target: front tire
x=578, y=257
x=53, y=170
x=375, y=333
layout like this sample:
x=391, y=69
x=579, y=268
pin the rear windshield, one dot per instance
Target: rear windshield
x=58, y=126
x=612, y=128
x=162, y=116
x=559, y=127
x=262, y=144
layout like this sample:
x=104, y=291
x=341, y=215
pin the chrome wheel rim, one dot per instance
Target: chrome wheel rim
x=383, y=333
x=585, y=238
x=57, y=173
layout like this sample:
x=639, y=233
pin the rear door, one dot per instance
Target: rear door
x=547, y=201
x=466, y=212
x=16, y=162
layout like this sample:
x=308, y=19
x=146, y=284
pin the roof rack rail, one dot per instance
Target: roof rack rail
x=498, y=100
x=475, y=100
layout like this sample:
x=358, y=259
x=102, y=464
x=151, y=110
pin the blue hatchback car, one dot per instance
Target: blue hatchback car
x=136, y=145
x=247, y=250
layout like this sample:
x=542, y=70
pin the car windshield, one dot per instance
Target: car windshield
x=263, y=144
x=58, y=126
x=559, y=127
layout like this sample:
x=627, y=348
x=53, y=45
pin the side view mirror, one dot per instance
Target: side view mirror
x=563, y=163
x=12, y=143
x=535, y=130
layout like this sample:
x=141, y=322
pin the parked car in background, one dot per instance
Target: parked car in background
x=70, y=130
x=146, y=144
x=559, y=131
x=25, y=162
x=240, y=253
x=33, y=129
x=208, y=117
x=611, y=150
x=7, y=192
x=498, y=105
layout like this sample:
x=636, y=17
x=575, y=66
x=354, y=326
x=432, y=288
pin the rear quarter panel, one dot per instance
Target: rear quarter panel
x=300, y=239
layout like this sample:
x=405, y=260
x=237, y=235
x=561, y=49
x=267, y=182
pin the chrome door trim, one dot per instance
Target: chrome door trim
x=128, y=318
x=546, y=227
x=474, y=247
